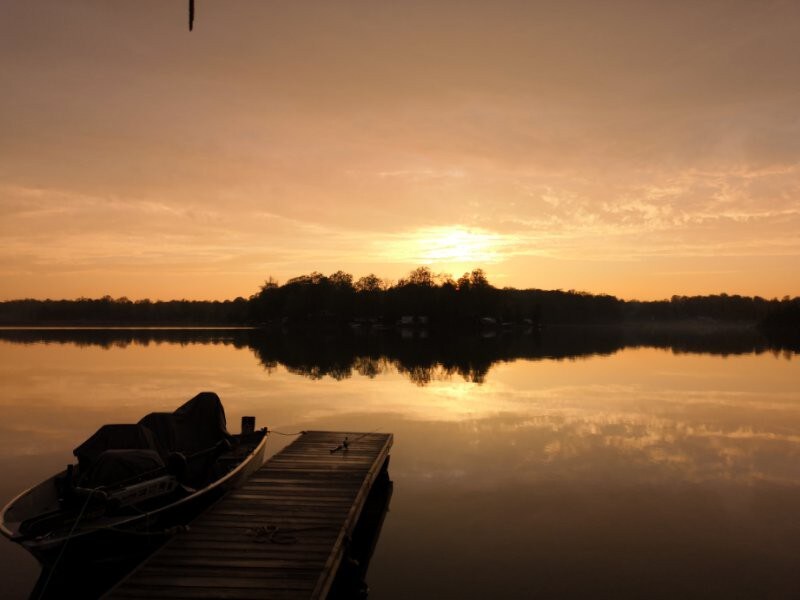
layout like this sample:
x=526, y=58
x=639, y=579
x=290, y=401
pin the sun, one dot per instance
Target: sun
x=457, y=245
x=449, y=249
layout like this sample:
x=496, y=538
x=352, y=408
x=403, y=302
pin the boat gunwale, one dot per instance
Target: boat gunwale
x=5, y=530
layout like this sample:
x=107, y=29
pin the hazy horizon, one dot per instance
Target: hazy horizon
x=637, y=149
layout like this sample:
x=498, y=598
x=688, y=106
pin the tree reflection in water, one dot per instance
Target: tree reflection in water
x=419, y=355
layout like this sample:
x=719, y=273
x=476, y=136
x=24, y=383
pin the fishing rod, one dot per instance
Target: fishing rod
x=346, y=443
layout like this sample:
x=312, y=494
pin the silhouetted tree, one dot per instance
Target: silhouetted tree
x=421, y=276
x=369, y=283
x=334, y=300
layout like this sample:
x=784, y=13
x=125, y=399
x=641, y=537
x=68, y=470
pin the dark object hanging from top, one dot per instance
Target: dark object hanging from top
x=191, y=14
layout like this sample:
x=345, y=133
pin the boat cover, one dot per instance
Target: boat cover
x=197, y=425
x=118, y=452
x=116, y=466
x=200, y=423
x=162, y=425
x=113, y=437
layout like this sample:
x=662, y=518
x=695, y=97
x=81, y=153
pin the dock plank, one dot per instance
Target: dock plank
x=280, y=535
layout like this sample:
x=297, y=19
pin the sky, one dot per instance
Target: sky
x=641, y=149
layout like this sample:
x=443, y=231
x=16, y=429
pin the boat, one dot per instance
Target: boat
x=134, y=485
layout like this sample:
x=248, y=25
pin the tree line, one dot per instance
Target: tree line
x=122, y=311
x=422, y=299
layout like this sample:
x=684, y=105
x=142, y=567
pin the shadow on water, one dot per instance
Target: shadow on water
x=351, y=579
x=424, y=355
x=76, y=579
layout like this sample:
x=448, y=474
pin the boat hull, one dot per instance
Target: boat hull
x=134, y=537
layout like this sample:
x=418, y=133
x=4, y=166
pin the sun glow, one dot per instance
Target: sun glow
x=448, y=250
x=459, y=245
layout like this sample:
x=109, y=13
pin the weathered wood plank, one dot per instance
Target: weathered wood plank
x=310, y=551
x=265, y=560
x=182, y=579
x=231, y=571
x=281, y=535
x=166, y=593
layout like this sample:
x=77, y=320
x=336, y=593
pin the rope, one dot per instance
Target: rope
x=282, y=433
x=66, y=541
x=146, y=515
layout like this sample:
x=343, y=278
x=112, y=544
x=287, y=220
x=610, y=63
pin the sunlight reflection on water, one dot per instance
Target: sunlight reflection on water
x=639, y=473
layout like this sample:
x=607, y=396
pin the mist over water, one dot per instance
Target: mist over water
x=564, y=464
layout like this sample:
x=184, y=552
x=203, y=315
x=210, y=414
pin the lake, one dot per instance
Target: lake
x=572, y=466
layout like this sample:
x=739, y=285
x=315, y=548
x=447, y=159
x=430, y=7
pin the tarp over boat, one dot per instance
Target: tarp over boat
x=116, y=453
x=196, y=425
x=114, y=437
x=116, y=466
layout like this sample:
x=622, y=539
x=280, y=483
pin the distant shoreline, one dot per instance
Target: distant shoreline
x=674, y=325
x=113, y=327
x=422, y=300
x=683, y=324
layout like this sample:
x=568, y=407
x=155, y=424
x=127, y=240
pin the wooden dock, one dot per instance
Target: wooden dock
x=283, y=534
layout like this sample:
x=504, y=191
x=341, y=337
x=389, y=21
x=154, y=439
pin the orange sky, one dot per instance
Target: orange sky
x=640, y=149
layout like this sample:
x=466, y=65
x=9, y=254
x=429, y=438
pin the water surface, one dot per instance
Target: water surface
x=626, y=472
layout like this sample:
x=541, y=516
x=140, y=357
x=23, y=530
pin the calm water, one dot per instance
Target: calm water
x=635, y=473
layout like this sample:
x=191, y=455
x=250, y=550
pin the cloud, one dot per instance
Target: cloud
x=292, y=139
